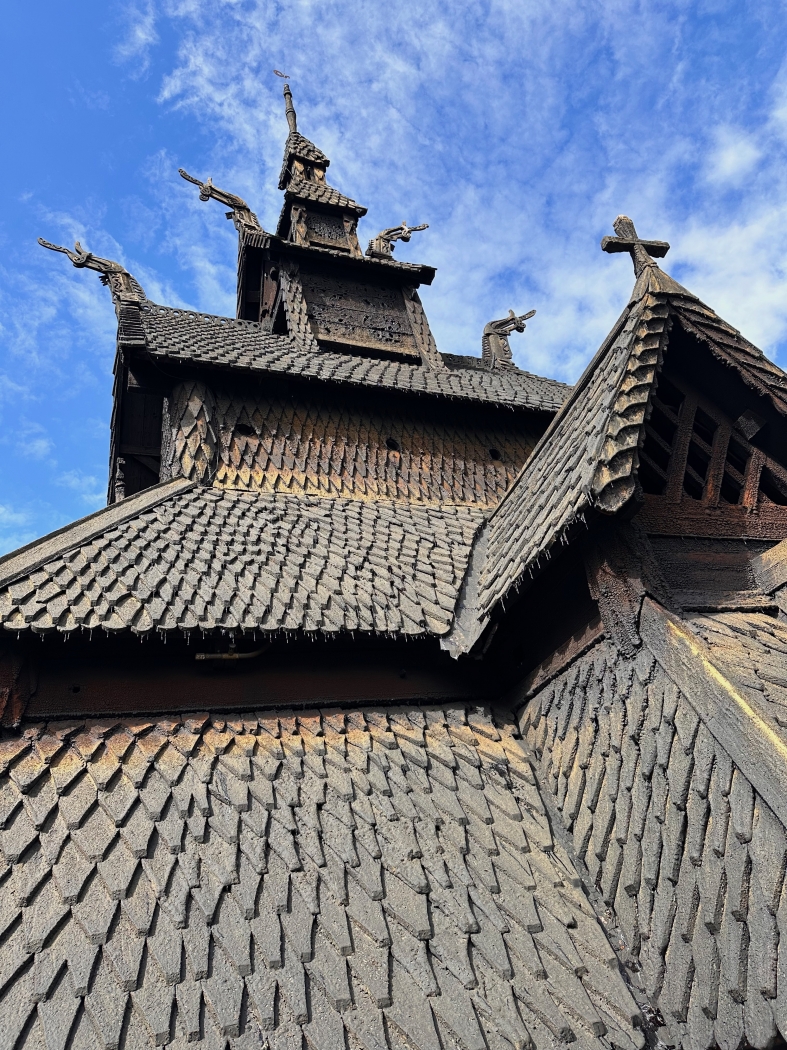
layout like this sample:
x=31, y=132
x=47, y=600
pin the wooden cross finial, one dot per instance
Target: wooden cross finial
x=627, y=240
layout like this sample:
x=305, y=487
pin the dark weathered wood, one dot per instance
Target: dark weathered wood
x=495, y=348
x=355, y=314
x=562, y=657
x=618, y=596
x=627, y=240
x=753, y=742
x=770, y=568
x=729, y=522
x=125, y=676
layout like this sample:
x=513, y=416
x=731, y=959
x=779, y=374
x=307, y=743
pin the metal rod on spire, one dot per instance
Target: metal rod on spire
x=289, y=109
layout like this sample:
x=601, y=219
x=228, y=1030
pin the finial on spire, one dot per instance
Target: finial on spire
x=495, y=348
x=382, y=246
x=642, y=252
x=289, y=109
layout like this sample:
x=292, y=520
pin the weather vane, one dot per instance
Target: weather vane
x=278, y=73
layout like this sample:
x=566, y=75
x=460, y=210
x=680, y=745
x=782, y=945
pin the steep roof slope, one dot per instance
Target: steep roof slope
x=668, y=770
x=184, y=557
x=587, y=459
x=383, y=877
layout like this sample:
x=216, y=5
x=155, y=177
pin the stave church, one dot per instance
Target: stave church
x=398, y=699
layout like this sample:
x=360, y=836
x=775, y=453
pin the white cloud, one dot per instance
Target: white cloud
x=139, y=38
x=90, y=489
x=15, y=528
x=733, y=157
x=517, y=131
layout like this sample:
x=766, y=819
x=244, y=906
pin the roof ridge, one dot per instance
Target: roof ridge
x=239, y=322
x=30, y=557
x=600, y=478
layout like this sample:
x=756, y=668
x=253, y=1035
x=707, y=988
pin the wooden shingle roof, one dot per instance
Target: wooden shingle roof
x=204, y=339
x=363, y=880
x=184, y=557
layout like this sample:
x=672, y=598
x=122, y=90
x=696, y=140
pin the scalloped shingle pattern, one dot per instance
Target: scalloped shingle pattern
x=321, y=193
x=555, y=486
x=677, y=840
x=341, y=450
x=210, y=558
x=729, y=346
x=363, y=880
x=223, y=341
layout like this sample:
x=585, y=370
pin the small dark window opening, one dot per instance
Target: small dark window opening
x=704, y=426
x=772, y=488
x=650, y=480
x=656, y=452
x=494, y=454
x=697, y=462
x=664, y=427
x=668, y=394
x=737, y=456
x=730, y=490
x=245, y=430
x=392, y=444
x=698, y=459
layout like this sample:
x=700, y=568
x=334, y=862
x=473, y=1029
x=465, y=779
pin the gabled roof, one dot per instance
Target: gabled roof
x=372, y=879
x=298, y=145
x=669, y=775
x=587, y=459
x=729, y=346
x=321, y=193
x=194, y=558
x=225, y=342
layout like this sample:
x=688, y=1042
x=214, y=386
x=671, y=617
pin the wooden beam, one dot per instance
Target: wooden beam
x=770, y=568
x=754, y=743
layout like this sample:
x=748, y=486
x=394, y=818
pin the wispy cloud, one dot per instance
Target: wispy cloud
x=91, y=490
x=518, y=131
x=15, y=528
x=139, y=38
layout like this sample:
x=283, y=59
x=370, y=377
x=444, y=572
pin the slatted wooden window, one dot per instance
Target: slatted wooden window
x=695, y=456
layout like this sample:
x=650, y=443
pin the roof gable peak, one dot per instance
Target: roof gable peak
x=643, y=252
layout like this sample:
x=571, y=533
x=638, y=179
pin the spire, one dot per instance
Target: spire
x=642, y=252
x=289, y=109
x=302, y=159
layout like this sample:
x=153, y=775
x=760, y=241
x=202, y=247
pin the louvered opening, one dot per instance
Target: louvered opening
x=734, y=478
x=660, y=431
x=695, y=455
x=699, y=454
x=772, y=488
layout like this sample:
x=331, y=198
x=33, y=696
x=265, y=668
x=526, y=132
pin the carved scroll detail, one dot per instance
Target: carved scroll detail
x=241, y=214
x=382, y=246
x=495, y=348
x=123, y=286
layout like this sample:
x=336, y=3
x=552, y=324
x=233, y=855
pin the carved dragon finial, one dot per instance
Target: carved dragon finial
x=494, y=342
x=112, y=274
x=382, y=246
x=241, y=214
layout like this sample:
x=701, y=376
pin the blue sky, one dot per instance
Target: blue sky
x=518, y=129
